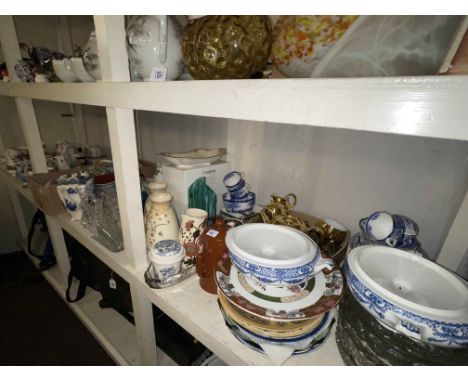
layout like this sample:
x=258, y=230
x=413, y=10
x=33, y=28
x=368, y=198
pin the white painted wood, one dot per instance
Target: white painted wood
x=110, y=33
x=111, y=40
x=420, y=106
x=456, y=243
x=9, y=44
x=17, y=211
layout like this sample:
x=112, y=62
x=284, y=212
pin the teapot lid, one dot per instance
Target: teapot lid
x=168, y=248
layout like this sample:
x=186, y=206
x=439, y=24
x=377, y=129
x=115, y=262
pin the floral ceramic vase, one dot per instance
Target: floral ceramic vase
x=193, y=223
x=226, y=47
x=91, y=57
x=161, y=220
x=153, y=41
x=300, y=42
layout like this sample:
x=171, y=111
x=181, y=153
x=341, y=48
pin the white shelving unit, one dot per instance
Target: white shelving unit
x=433, y=107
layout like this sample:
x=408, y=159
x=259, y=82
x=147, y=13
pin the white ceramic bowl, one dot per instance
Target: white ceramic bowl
x=79, y=70
x=63, y=70
x=275, y=254
x=410, y=294
x=194, y=158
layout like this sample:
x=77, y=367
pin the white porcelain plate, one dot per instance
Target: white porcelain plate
x=194, y=158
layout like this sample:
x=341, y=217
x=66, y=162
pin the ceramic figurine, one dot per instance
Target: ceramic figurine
x=213, y=246
x=300, y=42
x=226, y=47
x=91, y=57
x=161, y=221
x=154, y=41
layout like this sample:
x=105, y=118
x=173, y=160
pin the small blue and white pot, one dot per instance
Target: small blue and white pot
x=241, y=205
x=166, y=257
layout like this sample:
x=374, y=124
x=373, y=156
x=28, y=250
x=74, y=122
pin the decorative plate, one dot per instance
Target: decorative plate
x=235, y=330
x=194, y=158
x=295, y=303
x=268, y=327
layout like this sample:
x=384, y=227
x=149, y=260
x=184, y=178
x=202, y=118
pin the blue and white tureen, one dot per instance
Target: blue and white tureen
x=274, y=254
x=409, y=294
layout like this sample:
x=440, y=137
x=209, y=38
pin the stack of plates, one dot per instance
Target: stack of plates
x=279, y=321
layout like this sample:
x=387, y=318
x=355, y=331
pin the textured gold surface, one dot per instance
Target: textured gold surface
x=226, y=47
x=266, y=327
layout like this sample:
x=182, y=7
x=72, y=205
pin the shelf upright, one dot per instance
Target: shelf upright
x=110, y=33
x=32, y=135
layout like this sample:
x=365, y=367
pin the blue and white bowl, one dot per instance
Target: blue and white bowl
x=233, y=181
x=410, y=295
x=274, y=254
x=388, y=229
x=239, y=205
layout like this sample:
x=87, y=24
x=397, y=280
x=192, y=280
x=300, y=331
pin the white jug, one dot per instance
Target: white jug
x=154, y=41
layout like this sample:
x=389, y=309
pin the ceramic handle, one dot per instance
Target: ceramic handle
x=162, y=39
x=408, y=328
x=323, y=263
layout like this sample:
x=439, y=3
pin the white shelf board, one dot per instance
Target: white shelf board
x=420, y=106
x=198, y=313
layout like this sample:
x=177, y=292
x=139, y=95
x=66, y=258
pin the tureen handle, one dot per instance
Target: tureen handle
x=323, y=263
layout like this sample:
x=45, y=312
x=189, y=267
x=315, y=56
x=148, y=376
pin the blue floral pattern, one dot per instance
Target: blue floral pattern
x=270, y=275
x=443, y=333
x=168, y=248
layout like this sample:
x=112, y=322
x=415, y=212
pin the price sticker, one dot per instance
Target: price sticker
x=212, y=233
x=112, y=284
x=158, y=73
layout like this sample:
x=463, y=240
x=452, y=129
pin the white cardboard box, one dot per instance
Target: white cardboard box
x=179, y=180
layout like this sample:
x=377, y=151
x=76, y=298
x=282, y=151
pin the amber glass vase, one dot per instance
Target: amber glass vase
x=226, y=47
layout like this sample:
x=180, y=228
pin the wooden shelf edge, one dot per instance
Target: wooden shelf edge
x=416, y=106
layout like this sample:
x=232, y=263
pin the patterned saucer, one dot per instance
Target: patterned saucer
x=254, y=345
x=312, y=298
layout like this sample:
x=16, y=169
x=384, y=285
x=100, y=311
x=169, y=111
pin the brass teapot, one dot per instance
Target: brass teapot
x=279, y=212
